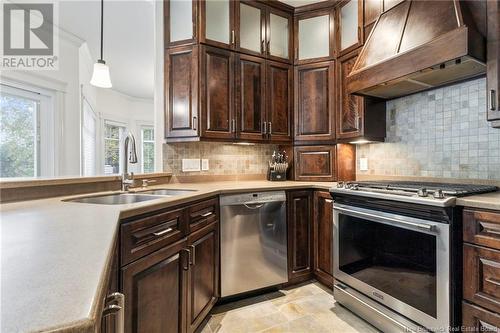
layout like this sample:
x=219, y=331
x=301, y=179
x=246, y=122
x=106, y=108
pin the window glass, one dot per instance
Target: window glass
x=89, y=144
x=113, y=135
x=148, y=149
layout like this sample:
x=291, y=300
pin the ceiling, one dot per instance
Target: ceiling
x=128, y=39
x=298, y=3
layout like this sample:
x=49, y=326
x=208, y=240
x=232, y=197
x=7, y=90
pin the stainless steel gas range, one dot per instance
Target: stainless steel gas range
x=397, y=256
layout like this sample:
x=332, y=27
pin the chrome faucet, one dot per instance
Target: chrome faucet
x=128, y=178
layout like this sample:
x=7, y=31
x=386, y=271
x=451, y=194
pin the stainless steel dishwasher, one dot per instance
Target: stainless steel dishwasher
x=253, y=241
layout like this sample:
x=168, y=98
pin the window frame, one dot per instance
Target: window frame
x=124, y=126
x=142, y=126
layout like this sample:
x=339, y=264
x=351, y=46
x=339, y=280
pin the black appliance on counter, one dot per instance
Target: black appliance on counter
x=397, y=252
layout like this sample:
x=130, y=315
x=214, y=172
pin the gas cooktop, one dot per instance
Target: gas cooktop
x=430, y=193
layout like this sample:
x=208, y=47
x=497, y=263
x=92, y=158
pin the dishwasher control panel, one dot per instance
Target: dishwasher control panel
x=251, y=198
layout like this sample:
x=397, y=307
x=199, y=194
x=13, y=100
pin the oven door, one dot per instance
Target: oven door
x=399, y=261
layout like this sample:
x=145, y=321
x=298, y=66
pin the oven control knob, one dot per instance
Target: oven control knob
x=422, y=192
x=438, y=194
x=340, y=184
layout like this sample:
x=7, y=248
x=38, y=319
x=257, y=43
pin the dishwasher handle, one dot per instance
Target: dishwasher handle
x=254, y=205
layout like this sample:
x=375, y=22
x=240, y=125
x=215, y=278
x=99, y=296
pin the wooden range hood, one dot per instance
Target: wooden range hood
x=418, y=45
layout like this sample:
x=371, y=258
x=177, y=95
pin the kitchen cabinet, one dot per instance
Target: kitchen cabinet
x=279, y=44
x=371, y=11
x=357, y=117
x=481, y=269
x=279, y=101
x=349, y=25
x=314, y=117
x=493, y=61
x=217, y=23
x=217, y=98
x=323, y=238
x=154, y=288
x=203, y=275
x=180, y=22
x=300, y=207
x=112, y=312
x=314, y=36
x=181, y=92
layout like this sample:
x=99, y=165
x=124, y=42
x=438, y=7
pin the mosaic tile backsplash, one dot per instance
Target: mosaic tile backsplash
x=440, y=133
x=224, y=159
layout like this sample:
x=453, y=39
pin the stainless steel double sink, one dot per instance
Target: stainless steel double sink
x=131, y=197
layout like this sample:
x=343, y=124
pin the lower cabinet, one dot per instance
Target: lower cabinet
x=323, y=238
x=299, y=235
x=476, y=319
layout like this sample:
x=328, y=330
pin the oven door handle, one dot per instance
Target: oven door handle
x=426, y=227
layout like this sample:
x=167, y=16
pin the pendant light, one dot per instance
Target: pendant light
x=100, y=76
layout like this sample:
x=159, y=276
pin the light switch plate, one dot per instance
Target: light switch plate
x=363, y=164
x=190, y=164
x=204, y=164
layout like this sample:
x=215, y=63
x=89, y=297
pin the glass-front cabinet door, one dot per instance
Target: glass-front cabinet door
x=250, y=23
x=314, y=36
x=350, y=21
x=279, y=36
x=180, y=27
x=217, y=18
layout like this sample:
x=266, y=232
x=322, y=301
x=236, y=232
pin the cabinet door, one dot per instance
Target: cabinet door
x=180, y=22
x=250, y=97
x=250, y=20
x=323, y=237
x=476, y=319
x=181, y=92
x=217, y=23
x=315, y=102
x=299, y=236
x=314, y=38
x=217, y=102
x=371, y=11
x=350, y=23
x=493, y=60
x=279, y=101
x=350, y=111
x=154, y=289
x=203, y=274
x=279, y=35
x=314, y=163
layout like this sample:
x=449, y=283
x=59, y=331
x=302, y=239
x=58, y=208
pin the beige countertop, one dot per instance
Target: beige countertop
x=55, y=254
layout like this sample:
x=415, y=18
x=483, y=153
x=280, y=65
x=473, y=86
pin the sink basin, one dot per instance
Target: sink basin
x=115, y=199
x=167, y=192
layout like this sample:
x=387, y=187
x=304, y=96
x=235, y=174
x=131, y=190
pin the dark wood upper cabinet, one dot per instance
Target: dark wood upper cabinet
x=314, y=116
x=251, y=97
x=323, y=237
x=180, y=22
x=181, y=92
x=279, y=36
x=203, y=275
x=349, y=25
x=217, y=23
x=371, y=11
x=154, y=289
x=357, y=117
x=250, y=22
x=314, y=163
x=279, y=101
x=299, y=235
x=314, y=36
x=216, y=93
x=493, y=61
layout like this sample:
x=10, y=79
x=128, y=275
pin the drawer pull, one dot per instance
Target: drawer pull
x=493, y=281
x=163, y=232
x=490, y=228
x=206, y=214
x=193, y=254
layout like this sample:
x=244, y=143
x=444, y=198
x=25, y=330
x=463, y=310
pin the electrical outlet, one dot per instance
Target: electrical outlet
x=204, y=164
x=363, y=164
x=190, y=164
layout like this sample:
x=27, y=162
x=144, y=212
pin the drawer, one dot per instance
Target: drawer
x=482, y=276
x=314, y=163
x=144, y=236
x=476, y=319
x=482, y=228
x=203, y=213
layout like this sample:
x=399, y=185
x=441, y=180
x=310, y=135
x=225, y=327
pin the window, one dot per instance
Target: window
x=89, y=140
x=26, y=133
x=148, y=149
x=113, y=135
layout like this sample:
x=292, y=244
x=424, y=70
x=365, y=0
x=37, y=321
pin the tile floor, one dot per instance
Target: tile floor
x=308, y=308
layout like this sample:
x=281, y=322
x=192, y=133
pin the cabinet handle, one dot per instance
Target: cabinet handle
x=193, y=255
x=163, y=232
x=270, y=128
x=359, y=34
x=268, y=49
x=118, y=309
x=233, y=125
x=111, y=309
x=358, y=123
x=492, y=100
x=262, y=47
x=206, y=214
x=186, y=259
x=264, y=128
x=194, y=123
x=233, y=37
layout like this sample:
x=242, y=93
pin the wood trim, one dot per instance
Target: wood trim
x=315, y=6
x=346, y=162
x=325, y=277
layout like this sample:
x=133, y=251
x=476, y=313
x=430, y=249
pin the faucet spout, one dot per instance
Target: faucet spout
x=128, y=179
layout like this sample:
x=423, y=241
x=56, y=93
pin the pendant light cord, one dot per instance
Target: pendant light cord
x=102, y=23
